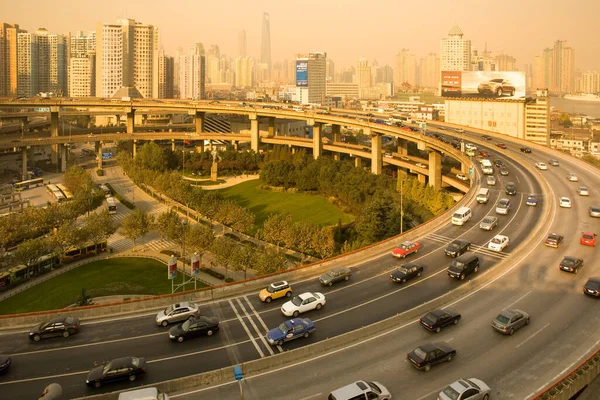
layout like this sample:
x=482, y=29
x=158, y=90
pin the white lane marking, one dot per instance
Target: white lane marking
x=531, y=337
x=312, y=397
x=516, y=301
x=261, y=321
x=256, y=346
x=449, y=340
x=261, y=336
x=39, y=378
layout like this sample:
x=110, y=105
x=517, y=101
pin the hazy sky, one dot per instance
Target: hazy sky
x=345, y=29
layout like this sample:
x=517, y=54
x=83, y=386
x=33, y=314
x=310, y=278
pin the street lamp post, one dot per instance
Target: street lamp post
x=184, y=226
x=401, y=208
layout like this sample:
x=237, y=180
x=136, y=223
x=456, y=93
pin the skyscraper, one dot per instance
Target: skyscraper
x=455, y=51
x=555, y=69
x=82, y=65
x=406, y=69
x=429, y=70
x=244, y=72
x=192, y=75
x=242, y=44
x=165, y=75
x=8, y=58
x=363, y=74
x=27, y=64
x=58, y=64
x=311, y=77
x=265, y=51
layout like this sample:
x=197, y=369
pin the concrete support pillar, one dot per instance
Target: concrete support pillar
x=317, y=142
x=118, y=119
x=134, y=148
x=402, y=147
x=210, y=145
x=271, y=126
x=25, y=125
x=376, y=155
x=171, y=124
x=336, y=156
x=99, y=152
x=422, y=178
x=199, y=121
x=435, y=170
x=130, y=121
x=24, y=164
x=293, y=150
x=336, y=130
x=254, y=133
x=63, y=158
x=54, y=133
x=464, y=168
x=172, y=144
x=200, y=146
x=235, y=145
x=358, y=162
x=144, y=119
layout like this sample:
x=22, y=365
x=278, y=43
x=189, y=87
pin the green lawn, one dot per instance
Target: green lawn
x=300, y=206
x=114, y=276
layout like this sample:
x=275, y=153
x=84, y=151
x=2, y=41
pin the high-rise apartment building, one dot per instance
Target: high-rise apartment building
x=504, y=62
x=8, y=58
x=537, y=118
x=588, y=82
x=42, y=40
x=126, y=55
x=429, y=71
x=406, y=69
x=330, y=70
x=82, y=64
x=455, y=51
x=384, y=74
x=242, y=51
x=311, y=78
x=555, y=68
x=363, y=74
x=192, y=75
x=265, y=48
x=166, y=66
x=59, y=64
x=244, y=72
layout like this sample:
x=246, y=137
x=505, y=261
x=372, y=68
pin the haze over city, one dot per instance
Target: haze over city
x=346, y=30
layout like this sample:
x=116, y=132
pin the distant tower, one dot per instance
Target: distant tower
x=265, y=54
x=242, y=44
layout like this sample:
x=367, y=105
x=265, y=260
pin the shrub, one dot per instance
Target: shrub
x=213, y=273
x=229, y=280
x=232, y=236
x=100, y=172
x=123, y=201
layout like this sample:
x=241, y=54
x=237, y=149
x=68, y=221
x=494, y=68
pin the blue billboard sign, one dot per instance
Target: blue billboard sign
x=302, y=73
x=106, y=156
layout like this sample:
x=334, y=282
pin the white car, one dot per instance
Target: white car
x=491, y=180
x=542, y=166
x=565, y=202
x=572, y=177
x=470, y=146
x=583, y=191
x=498, y=243
x=421, y=165
x=302, y=303
x=388, y=155
x=472, y=389
x=462, y=177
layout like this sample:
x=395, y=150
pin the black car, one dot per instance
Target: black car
x=511, y=189
x=407, y=271
x=423, y=357
x=202, y=326
x=553, y=240
x=4, y=363
x=525, y=149
x=118, y=369
x=437, y=319
x=59, y=326
x=571, y=264
x=486, y=137
x=464, y=265
x=457, y=247
x=591, y=288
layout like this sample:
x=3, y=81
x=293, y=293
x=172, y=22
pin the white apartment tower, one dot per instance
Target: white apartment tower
x=244, y=72
x=429, y=71
x=27, y=63
x=192, y=75
x=455, y=51
x=406, y=69
x=82, y=65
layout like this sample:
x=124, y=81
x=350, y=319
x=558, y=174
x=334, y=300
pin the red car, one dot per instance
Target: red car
x=588, y=239
x=484, y=154
x=406, y=248
x=501, y=145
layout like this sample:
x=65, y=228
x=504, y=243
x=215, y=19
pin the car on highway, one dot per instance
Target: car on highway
x=404, y=158
x=510, y=189
x=59, y=326
x=457, y=247
x=388, y=155
x=498, y=163
x=571, y=264
x=490, y=180
x=525, y=149
x=302, y=303
x=502, y=145
x=463, y=265
x=572, y=177
x=336, y=274
x=290, y=330
x=421, y=165
x=435, y=320
x=201, y=326
x=466, y=389
x=177, y=312
x=470, y=146
x=462, y=177
x=497, y=87
x=531, y=200
x=503, y=170
x=407, y=271
x=124, y=368
x=406, y=248
x=541, y=166
x=508, y=321
x=488, y=223
x=424, y=356
x=498, y=243
x=592, y=287
x=275, y=290
x=553, y=240
x=486, y=137
x=361, y=390
x=588, y=239
x=5, y=362
x=594, y=211
x=503, y=206
x=554, y=163
x=484, y=153
x=565, y=202
x=583, y=191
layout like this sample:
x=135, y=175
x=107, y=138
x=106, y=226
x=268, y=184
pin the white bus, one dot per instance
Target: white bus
x=486, y=167
x=112, y=205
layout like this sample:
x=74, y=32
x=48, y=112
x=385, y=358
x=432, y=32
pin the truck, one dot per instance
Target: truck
x=486, y=167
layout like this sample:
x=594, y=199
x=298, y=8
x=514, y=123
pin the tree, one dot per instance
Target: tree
x=68, y=235
x=565, y=121
x=276, y=228
x=302, y=236
x=380, y=218
x=270, y=261
x=324, y=242
x=99, y=226
x=29, y=251
x=244, y=258
x=135, y=225
x=199, y=239
x=223, y=250
x=151, y=156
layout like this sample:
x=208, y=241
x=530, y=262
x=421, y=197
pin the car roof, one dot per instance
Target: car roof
x=438, y=312
x=413, y=264
x=427, y=347
x=279, y=284
x=570, y=258
x=509, y=313
x=121, y=362
x=57, y=319
x=306, y=295
x=501, y=237
x=460, y=385
x=290, y=323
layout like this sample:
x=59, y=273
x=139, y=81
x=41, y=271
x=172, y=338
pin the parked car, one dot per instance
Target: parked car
x=498, y=243
x=508, y=321
x=565, y=202
x=5, y=362
x=290, y=330
x=274, y=291
x=302, y=303
x=588, y=239
x=59, y=326
x=336, y=274
x=177, y=312
x=488, y=223
x=124, y=368
x=457, y=247
x=406, y=248
x=531, y=200
x=407, y=271
x=594, y=211
x=437, y=319
x=423, y=357
x=592, y=287
x=571, y=264
x=525, y=149
x=201, y=326
x=553, y=240
x=583, y=191
x=572, y=177
x=466, y=389
x=498, y=87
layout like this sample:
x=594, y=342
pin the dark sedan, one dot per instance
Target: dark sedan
x=334, y=275
x=511, y=189
x=592, y=287
x=571, y=264
x=4, y=363
x=202, y=326
x=124, y=368
x=457, y=247
x=437, y=319
x=59, y=326
x=423, y=357
x=407, y=271
x=553, y=240
x=525, y=149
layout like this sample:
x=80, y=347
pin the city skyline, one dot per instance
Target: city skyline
x=330, y=27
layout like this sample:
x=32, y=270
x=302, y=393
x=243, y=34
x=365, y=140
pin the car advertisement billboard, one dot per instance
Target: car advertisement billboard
x=302, y=73
x=483, y=84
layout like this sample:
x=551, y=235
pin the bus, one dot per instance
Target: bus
x=106, y=190
x=56, y=193
x=35, y=182
x=4, y=279
x=112, y=205
x=88, y=249
x=63, y=189
x=19, y=273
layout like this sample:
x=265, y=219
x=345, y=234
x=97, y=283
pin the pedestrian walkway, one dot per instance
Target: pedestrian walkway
x=229, y=181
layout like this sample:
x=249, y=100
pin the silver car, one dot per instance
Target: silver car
x=462, y=389
x=489, y=223
x=491, y=180
x=334, y=275
x=583, y=191
x=177, y=312
x=595, y=211
x=508, y=321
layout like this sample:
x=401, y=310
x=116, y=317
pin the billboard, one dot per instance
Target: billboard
x=195, y=264
x=172, y=268
x=483, y=84
x=302, y=72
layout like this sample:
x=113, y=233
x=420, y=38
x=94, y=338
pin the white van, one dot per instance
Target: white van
x=483, y=195
x=461, y=216
x=144, y=394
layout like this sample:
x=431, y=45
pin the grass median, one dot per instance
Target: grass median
x=115, y=276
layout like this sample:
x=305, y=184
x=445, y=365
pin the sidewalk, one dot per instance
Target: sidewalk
x=229, y=181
